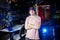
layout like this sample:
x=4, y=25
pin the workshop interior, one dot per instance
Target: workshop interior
x=13, y=14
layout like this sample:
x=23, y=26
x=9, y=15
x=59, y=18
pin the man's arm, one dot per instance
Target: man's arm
x=37, y=25
x=27, y=25
x=32, y=26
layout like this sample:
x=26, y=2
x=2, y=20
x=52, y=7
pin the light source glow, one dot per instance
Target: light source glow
x=44, y=30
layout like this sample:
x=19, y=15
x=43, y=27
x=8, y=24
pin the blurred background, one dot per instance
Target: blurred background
x=14, y=12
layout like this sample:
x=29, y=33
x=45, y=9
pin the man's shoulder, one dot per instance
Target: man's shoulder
x=39, y=17
x=27, y=17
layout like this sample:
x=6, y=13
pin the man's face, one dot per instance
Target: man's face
x=32, y=12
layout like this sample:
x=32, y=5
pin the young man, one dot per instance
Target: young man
x=32, y=24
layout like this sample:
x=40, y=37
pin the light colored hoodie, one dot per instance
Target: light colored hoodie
x=32, y=24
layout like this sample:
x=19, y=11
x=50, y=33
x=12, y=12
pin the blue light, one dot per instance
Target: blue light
x=44, y=30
